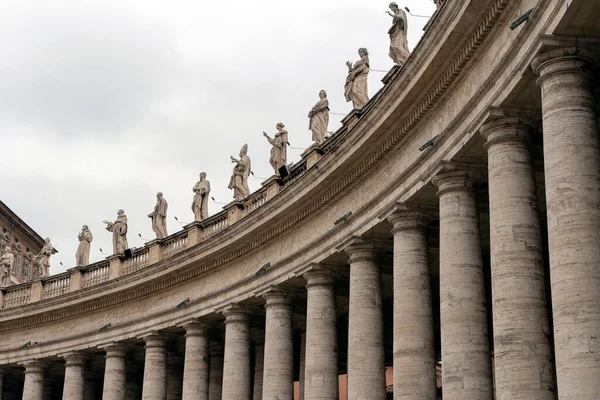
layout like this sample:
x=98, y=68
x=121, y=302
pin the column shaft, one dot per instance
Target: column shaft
x=114, y=373
x=215, y=384
x=236, y=367
x=301, y=378
x=278, y=375
x=572, y=176
x=321, y=364
x=74, y=386
x=34, y=380
x=522, y=354
x=414, y=347
x=155, y=368
x=366, y=359
x=259, y=366
x=196, y=363
x=466, y=369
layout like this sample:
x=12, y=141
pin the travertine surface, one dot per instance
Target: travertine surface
x=523, y=363
x=259, y=363
x=215, y=385
x=278, y=373
x=366, y=358
x=33, y=388
x=414, y=348
x=114, y=373
x=572, y=174
x=466, y=370
x=236, y=366
x=321, y=362
x=74, y=377
x=196, y=362
x=155, y=368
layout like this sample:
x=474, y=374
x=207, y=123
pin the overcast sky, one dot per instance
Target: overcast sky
x=104, y=103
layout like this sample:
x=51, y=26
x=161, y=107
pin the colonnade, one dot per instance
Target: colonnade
x=526, y=363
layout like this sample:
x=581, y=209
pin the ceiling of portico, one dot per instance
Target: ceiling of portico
x=581, y=19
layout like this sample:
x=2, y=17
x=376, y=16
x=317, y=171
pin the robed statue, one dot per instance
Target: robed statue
x=44, y=259
x=119, y=231
x=319, y=118
x=201, y=196
x=239, y=177
x=399, y=52
x=356, y=88
x=7, y=276
x=159, y=217
x=82, y=256
x=279, y=148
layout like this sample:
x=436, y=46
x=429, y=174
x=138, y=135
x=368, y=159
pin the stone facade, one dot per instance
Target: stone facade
x=449, y=230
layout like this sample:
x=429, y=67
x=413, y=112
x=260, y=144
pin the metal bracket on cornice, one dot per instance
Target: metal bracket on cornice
x=523, y=18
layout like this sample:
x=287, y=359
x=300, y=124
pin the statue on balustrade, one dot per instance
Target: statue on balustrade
x=279, y=148
x=239, y=177
x=44, y=259
x=82, y=256
x=159, y=217
x=201, y=196
x=7, y=276
x=319, y=118
x=399, y=52
x=356, y=88
x=119, y=231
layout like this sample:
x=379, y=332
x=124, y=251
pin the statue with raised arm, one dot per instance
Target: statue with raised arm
x=7, y=276
x=279, y=147
x=356, y=88
x=239, y=178
x=399, y=52
x=319, y=118
x=159, y=217
x=119, y=231
x=44, y=259
x=201, y=196
x=82, y=256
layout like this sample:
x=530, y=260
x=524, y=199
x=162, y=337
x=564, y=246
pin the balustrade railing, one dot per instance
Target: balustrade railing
x=17, y=295
x=215, y=224
x=57, y=285
x=256, y=200
x=296, y=172
x=175, y=244
x=140, y=260
x=95, y=274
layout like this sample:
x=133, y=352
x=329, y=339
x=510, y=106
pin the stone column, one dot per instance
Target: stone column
x=572, y=176
x=278, y=375
x=48, y=389
x=114, y=373
x=175, y=369
x=74, y=377
x=89, y=386
x=196, y=362
x=522, y=353
x=215, y=384
x=466, y=369
x=321, y=363
x=366, y=359
x=414, y=346
x=236, y=367
x=302, y=375
x=259, y=366
x=34, y=380
x=155, y=368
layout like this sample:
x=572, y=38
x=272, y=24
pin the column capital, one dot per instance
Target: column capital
x=507, y=129
x=215, y=349
x=570, y=59
x=154, y=340
x=319, y=276
x=235, y=313
x=276, y=297
x=454, y=176
x=195, y=327
x=407, y=216
x=74, y=358
x=34, y=366
x=118, y=350
x=360, y=250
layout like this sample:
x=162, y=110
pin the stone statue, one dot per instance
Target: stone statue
x=399, y=52
x=7, y=277
x=44, y=259
x=319, y=118
x=356, y=89
x=82, y=256
x=119, y=231
x=239, y=177
x=279, y=150
x=159, y=217
x=202, y=194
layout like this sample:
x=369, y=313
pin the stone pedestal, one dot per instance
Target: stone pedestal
x=259, y=364
x=522, y=354
x=114, y=373
x=366, y=358
x=278, y=375
x=236, y=367
x=572, y=177
x=196, y=363
x=155, y=368
x=74, y=377
x=33, y=388
x=414, y=346
x=215, y=385
x=321, y=364
x=466, y=364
